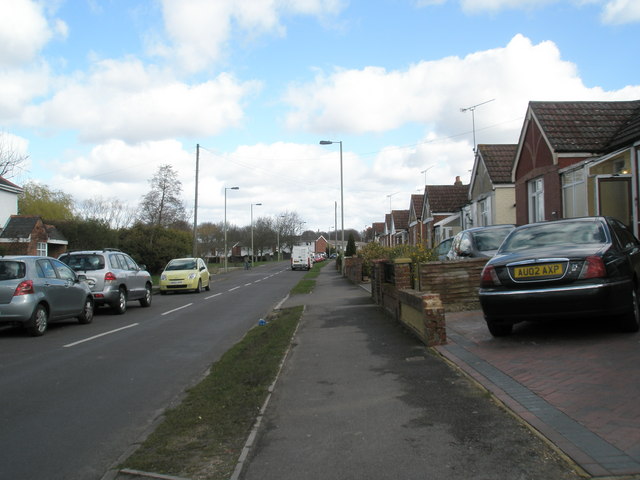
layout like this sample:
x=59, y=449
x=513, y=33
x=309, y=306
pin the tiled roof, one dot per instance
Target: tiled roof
x=19, y=226
x=597, y=127
x=417, y=201
x=400, y=219
x=378, y=227
x=7, y=185
x=446, y=198
x=499, y=161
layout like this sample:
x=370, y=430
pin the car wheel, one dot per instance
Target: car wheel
x=208, y=287
x=146, y=300
x=498, y=329
x=630, y=322
x=121, y=305
x=199, y=287
x=39, y=321
x=87, y=311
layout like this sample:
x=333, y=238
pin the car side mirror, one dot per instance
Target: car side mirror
x=81, y=277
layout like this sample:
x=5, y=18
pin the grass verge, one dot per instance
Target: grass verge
x=202, y=437
x=309, y=280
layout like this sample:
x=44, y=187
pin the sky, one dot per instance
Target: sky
x=100, y=93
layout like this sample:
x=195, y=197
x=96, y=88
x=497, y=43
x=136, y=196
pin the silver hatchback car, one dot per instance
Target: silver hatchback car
x=37, y=290
x=113, y=276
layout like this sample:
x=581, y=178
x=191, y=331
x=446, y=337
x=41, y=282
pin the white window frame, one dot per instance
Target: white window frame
x=535, y=192
x=41, y=249
x=573, y=187
x=484, y=212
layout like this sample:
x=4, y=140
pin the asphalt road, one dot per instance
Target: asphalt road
x=74, y=401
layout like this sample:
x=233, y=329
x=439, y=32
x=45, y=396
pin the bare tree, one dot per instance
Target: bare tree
x=10, y=160
x=113, y=211
x=163, y=205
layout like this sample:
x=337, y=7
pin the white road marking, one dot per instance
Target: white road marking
x=98, y=336
x=211, y=296
x=176, y=309
x=234, y=288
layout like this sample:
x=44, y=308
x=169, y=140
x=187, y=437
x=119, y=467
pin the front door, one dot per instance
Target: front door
x=614, y=198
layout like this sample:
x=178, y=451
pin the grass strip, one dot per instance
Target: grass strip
x=202, y=437
x=309, y=280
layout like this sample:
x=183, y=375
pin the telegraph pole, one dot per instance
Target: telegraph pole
x=195, y=205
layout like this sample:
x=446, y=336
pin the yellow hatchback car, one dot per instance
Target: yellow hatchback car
x=184, y=274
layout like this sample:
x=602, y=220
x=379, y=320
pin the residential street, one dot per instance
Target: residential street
x=75, y=400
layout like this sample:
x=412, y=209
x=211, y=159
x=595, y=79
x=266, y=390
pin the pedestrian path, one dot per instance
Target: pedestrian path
x=360, y=398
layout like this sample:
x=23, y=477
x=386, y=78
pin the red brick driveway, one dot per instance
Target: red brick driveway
x=578, y=383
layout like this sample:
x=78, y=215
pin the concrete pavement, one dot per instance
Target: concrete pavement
x=360, y=398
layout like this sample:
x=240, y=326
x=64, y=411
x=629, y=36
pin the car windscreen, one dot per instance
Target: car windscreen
x=551, y=234
x=10, y=270
x=181, y=265
x=84, y=262
x=490, y=239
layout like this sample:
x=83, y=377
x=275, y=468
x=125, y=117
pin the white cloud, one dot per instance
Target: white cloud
x=621, y=11
x=24, y=30
x=496, y=5
x=431, y=93
x=199, y=30
x=128, y=100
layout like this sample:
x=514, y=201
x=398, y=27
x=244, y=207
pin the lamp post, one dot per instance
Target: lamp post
x=252, y=231
x=226, y=256
x=329, y=142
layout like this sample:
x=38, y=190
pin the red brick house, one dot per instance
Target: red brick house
x=378, y=231
x=399, y=227
x=578, y=158
x=29, y=235
x=441, y=211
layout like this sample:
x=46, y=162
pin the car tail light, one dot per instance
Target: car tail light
x=593, y=267
x=109, y=276
x=24, y=288
x=489, y=277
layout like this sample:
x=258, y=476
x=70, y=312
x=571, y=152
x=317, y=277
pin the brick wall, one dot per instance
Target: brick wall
x=456, y=282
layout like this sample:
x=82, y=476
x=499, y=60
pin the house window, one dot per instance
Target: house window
x=484, y=212
x=536, y=200
x=41, y=249
x=574, y=194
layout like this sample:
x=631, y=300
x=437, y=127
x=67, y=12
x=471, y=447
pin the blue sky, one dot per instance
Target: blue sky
x=99, y=94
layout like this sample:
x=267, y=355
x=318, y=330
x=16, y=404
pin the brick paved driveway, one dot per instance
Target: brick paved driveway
x=578, y=383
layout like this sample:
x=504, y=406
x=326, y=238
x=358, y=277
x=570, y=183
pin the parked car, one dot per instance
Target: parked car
x=37, y=290
x=442, y=249
x=113, y=276
x=185, y=274
x=572, y=268
x=478, y=242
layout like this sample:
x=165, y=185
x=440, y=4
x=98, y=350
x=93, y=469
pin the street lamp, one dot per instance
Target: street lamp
x=329, y=142
x=225, y=225
x=252, y=259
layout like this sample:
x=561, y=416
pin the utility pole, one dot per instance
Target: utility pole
x=195, y=205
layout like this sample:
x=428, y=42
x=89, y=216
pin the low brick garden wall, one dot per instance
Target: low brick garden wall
x=420, y=298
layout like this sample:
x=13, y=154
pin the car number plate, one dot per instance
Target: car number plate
x=547, y=270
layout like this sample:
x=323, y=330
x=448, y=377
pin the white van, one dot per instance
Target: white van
x=301, y=258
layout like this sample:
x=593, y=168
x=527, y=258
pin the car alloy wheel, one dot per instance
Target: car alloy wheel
x=39, y=321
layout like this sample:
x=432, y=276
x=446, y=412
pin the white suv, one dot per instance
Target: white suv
x=113, y=276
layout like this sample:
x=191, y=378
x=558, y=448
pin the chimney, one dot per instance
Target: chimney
x=458, y=181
